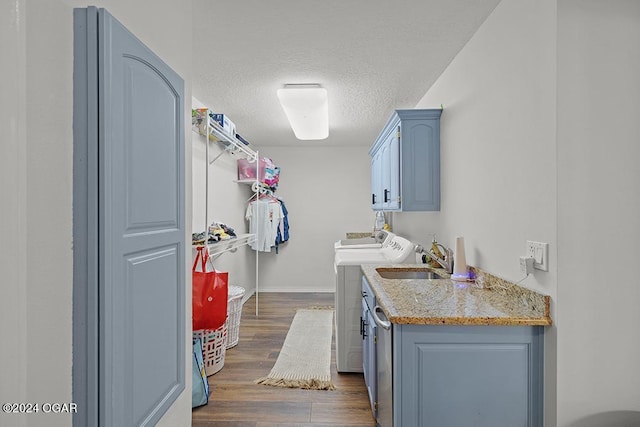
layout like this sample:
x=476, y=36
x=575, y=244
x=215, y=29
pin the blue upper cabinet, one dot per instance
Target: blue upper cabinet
x=405, y=162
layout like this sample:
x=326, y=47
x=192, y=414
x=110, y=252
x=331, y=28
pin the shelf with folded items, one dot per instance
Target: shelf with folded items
x=214, y=132
x=229, y=245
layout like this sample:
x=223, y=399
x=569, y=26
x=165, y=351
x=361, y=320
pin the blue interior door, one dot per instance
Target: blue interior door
x=140, y=245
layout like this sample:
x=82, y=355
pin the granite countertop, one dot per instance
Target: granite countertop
x=489, y=300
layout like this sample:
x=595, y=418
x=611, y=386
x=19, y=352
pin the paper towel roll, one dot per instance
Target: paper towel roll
x=460, y=271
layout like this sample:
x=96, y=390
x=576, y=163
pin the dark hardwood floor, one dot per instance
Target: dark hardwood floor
x=236, y=401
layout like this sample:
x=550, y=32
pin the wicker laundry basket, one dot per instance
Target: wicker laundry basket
x=234, y=311
x=214, y=347
x=215, y=342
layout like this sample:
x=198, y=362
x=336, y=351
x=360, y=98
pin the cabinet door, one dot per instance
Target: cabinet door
x=392, y=165
x=385, y=180
x=468, y=376
x=376, y=181
x=369, y=356
x=421, y=165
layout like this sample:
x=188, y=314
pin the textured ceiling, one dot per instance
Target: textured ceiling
x=372, y=56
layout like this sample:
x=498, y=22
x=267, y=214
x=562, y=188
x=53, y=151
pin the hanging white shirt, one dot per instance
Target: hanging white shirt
x=264, y=217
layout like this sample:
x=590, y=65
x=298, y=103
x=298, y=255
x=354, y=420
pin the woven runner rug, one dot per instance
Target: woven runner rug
x=305, y=358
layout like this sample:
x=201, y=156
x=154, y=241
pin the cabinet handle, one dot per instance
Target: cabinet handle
x=364, y=329
x=386, y=195
x=373, y=199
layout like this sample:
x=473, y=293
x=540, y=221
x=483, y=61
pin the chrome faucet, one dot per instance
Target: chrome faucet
x=446, y=262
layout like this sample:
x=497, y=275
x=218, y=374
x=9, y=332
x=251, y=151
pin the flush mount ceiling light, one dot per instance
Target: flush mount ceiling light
x=307, y=109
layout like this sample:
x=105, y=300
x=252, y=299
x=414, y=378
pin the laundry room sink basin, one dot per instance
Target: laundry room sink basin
x=408, y=273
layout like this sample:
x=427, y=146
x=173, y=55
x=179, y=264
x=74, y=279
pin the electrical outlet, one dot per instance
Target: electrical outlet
x=540, y=253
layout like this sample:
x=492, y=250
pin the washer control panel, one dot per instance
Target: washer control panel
x=398, y=249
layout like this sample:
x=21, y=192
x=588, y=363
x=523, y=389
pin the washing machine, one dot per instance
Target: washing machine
x=348, y=299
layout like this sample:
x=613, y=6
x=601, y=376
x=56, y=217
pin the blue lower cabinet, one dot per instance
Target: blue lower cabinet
x=369, y=358
x=481, y=376
x=369, y=338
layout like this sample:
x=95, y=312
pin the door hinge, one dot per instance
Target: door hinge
x=375, y=406
x=375, y=339
x=398, y=133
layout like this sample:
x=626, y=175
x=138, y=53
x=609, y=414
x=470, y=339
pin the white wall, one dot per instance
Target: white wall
x=13, y=277
x=540, y=141
x=327, y=194
x=498, y=143
x=38, y=197
x=498, y=151
x=598, y=212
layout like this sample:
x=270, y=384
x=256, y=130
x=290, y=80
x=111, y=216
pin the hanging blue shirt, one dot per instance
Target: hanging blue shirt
x=284, y=236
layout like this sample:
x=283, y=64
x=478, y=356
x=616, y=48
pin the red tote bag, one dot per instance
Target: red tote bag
x=209, y=294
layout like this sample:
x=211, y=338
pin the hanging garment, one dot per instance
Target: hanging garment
x=264, y=217
x=282, y=234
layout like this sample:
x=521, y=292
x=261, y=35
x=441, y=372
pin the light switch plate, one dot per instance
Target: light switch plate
x=539, y=251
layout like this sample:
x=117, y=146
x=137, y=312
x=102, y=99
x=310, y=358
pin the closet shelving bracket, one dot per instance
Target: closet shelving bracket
x=231, y=245
x=202, y=124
